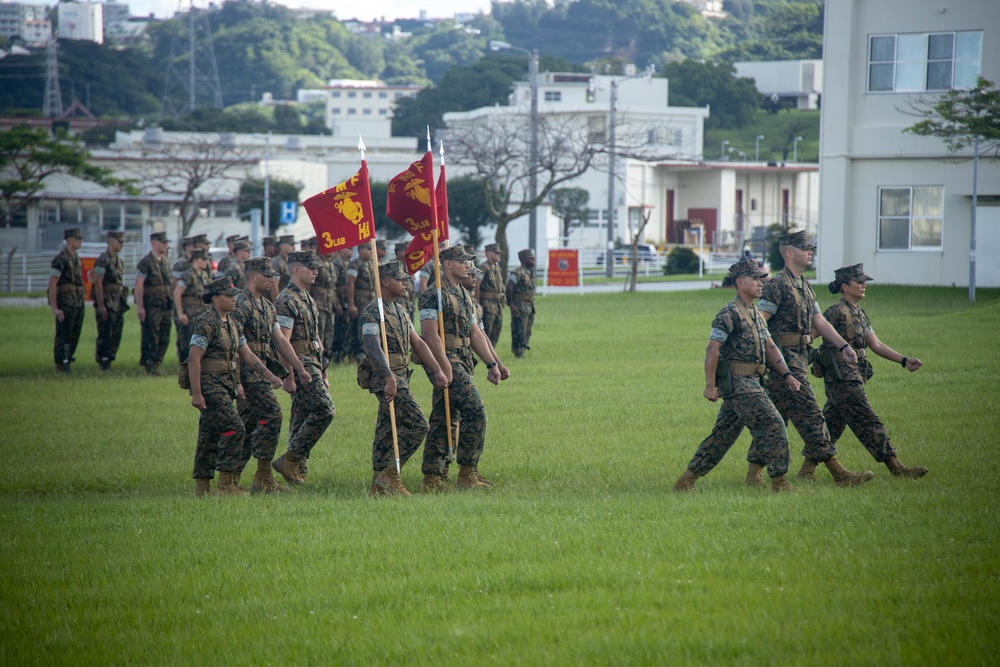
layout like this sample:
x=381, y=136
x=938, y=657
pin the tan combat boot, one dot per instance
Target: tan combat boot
x=467, y=479
x=264, y=481
x=899, y=470
x=686, y=481
x=755, y=475
x=287, y=466
x=435, y=484
x=488, y=483
x=388, y=481
x=202, y=486
x=374, y=490
x=844, y=477
x=229, y=485
x=808, y=471
x=779, y=484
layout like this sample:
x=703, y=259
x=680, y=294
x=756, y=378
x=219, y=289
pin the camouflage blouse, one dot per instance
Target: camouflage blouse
x=280, y=264
x=491, y=288
x=324, y=289
x=219, y=340
x=156, y=280
x=297, y=311
x=734, y=329
x=113, y=270
x=792, y=304
x=256, y=319
x=234, y=269
x=523, y=284
x=398, y=327
x=857, y=336
x=67, y=269
x=193, y=282
x=459, y=316
x=364, y=281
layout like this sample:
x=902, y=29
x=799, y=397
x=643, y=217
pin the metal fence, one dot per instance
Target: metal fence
x=29, y=271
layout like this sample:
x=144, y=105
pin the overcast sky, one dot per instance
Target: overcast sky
x=365, y=10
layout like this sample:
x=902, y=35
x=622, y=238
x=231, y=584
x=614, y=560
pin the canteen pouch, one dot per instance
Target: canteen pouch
x=183, y=378
x=275, y=367
x=724, y=377
x=815, y=366
x=829, y=362
x=867, y=371
x=364, y=374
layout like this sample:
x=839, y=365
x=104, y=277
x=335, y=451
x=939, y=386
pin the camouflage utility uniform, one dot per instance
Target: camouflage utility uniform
x=109, y=331
x=411, y=425
x=220, y=429
x=256, y=320
x=193, y=282
x=466, y=405
x=792, y=304
x=312, y=407
x=324, y=293
x=67, y=269
x=342, y=324
x=158, y=305
x=522, y=280
x=280, y=264
x=743, y=334
x=234, y=271
x=492, y=299
x=364, y=293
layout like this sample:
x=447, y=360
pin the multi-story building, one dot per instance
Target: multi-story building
x=81, y=20
x=19, y=19
x=900, y=203
x=363, y=108
x=798, y=80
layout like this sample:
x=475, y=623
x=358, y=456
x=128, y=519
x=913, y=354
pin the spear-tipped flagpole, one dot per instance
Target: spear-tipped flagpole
x=361, y=146
x=430, y=146
x=385, y=351
x=441, y=151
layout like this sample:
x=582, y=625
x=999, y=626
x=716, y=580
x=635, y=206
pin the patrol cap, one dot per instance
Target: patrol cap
x=201, y=239
x=457, y=253
x=492, y=247
x=380, y=243
x=261, y=265
x=305, y=258
x=797, y=240
x=73, y=233
x=241, y=245
x=233, y=238
x=159, y=236
x=525, y=254
x=199, y=254
x=286, y=238
x=855, y=273
x=221, y=287
x=269, y=240
x=746, y=267
x=187, y=241
x=394, y=269
x=313, y=242
x=401, y=247
x=117, y=236
x=471, y=249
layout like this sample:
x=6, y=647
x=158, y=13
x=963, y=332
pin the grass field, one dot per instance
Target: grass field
x=580, y=555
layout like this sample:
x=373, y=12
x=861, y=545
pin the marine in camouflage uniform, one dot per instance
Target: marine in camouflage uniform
x=360, y=292
x=188, y=303
x=153, y=301
x=408, y=299
x=110, y=300
x=342, y=323
x=234, y=269
x=286, y=245
x=388, y=378
x=491, y=295
x=231, y=241
x=312, y=407
x=66, y=299
x=740, y=339
x=847, y=403
x=183, y=263
x=521, y=297
x=462, y=336
x=789, y=306
x=217, y=344
x=324, y=293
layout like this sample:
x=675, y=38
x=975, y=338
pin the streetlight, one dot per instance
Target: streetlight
x=533, y=149
x=255, y=239
x=795, y=149
x=725, y=142
x=756, y=149
x=609, y=265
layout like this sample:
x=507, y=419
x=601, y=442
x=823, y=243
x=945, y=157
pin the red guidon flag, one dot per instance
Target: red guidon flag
x=441, y=197
x=342, y=216
x=410, y=200
x=419, y=252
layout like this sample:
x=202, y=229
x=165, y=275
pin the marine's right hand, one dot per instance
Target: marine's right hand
x=712, y=393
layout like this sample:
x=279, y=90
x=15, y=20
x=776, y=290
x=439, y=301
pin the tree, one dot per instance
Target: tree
x=958, y=117
x=733, y=100
x=467, y=208
x=193, y=171
x=279, y=190
x=30, y=155
x=786, y=134
x=570, y=206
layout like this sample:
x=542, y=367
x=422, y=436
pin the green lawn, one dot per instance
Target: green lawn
x=772, y=127
x=580, y=555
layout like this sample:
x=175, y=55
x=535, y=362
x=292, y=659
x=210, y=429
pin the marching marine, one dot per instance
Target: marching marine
x=110, y=300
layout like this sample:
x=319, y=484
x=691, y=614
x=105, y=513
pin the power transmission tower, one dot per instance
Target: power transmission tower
x=192, y=78
x=52, y=106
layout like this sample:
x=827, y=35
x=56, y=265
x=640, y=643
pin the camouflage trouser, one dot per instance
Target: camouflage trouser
x=802, y=408
x=155, y=335
x=109, y=334
x=520, y=327
x=464, y=401
x=220, y=433
x=492, y=319
x=341, y=329
x=755, y=411
x=847, y=404
x=312, y=412
x=261, y=416
x=327, y=324
x=67, y=332
x=411, y=428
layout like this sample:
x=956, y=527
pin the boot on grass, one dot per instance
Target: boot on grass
x=808, y=471
x=844, y=477
x=202, y=486
x=435, y=484
x=899, y=470
x=287, y=465
x=389, y=482
x=229, y=485
x=469, y=479
x=755, y=475
x=779, y=484
x=264, y=481
x=686, y=481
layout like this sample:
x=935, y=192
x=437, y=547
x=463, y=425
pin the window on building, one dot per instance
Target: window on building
x=335, y=93
x=223, y=210
x=111, y=220
x=335, y=111
x=918, y=62
x=910, y=218
x=352, y=94
x=367, y=94
x=596, y=129
x=553, y=96
x=90, y=213
x=383, y=112
x=49, y=211
x=596, y=217
x=19, y=217
x=366, y=112
x=162, y=210
x=352, y=112
x=383, y=95
x=133, y=218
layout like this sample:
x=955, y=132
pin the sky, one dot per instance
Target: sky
x=365, y=10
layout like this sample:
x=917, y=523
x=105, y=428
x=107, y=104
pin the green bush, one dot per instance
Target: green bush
x=681, y=260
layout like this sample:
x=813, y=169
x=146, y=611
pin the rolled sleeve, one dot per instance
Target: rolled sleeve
x=428, y=314
x=286, y=322
x=719, y=336
x=197, y=340
x=370, y=329
x=769, y=307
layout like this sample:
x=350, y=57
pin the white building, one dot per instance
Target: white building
x=894, y=201
x=364, y=108
x=799, y=80
x=81, y=20
x=15, y=18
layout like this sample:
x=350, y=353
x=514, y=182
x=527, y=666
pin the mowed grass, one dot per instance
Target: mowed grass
x=580, y=555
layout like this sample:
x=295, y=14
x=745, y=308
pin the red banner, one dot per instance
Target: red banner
x=342, y=216
x=410, y=199
x=441, y=196
x=419, y=252
x=564, y=268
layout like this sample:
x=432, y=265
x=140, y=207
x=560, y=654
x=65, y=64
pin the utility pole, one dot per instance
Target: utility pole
x=52, y=106
x=192, y=74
